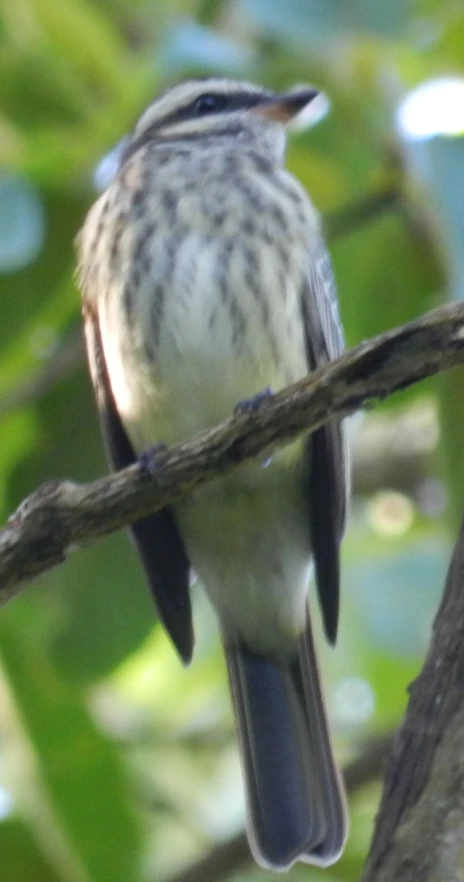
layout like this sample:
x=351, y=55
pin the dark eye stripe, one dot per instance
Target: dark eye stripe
x=225, y=103
x=231, y=101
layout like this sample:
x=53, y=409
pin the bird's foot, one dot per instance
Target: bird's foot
x=250, y=405
x=149, y=459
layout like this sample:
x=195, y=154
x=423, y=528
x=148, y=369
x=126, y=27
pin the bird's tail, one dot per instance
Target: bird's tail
x=296, y=803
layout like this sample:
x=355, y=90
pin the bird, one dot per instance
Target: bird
x=206, y=281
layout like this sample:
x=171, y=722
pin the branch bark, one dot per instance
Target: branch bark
x=419, y=832
x=61, y=516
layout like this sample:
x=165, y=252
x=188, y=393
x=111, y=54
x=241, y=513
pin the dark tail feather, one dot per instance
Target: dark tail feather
x=296, y=805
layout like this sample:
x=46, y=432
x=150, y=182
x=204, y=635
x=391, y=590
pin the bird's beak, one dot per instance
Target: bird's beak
x=283, y=108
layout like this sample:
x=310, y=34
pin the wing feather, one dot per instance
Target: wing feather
x=327, y=453
x=156, y=536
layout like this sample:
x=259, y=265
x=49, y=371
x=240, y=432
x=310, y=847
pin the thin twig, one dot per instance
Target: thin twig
x=346, y=220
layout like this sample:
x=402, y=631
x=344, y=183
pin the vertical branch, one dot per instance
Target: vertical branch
x=419, y=832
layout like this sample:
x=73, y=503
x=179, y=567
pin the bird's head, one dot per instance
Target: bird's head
x=206, y=110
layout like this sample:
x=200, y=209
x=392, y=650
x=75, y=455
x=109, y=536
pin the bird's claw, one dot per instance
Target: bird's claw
x=250, y=405
x=148, y=459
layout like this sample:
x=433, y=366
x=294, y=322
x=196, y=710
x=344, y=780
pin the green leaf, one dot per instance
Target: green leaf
x=69, y=782
x=384, y=276
x=22, y=859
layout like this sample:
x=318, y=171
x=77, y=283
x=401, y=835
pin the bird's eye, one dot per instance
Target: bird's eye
x=209, y=104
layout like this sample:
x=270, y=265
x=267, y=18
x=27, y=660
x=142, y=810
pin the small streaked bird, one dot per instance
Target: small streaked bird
x=205, y=281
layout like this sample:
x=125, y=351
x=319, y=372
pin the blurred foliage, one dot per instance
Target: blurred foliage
x=116, y=764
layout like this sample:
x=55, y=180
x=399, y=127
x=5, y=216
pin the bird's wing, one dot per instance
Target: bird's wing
x=327, y=453
x=156, y=536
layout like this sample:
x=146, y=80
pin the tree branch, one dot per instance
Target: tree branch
x=230, y=856
x=419, y=832
x=61, y=516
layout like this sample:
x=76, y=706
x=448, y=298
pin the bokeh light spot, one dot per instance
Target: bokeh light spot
x=22, y=223
x=436, y=107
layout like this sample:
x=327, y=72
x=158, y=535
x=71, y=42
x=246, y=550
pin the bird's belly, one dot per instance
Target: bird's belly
x=217, y=344
x=248, y=540
x=222, y=329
